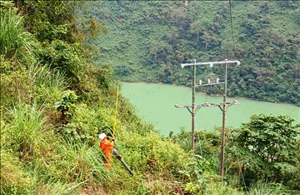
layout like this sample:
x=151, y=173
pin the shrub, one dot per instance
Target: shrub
x=268, y=150
x=16, y=84
x=67, y=59
x=66, y=105
x=154, y=154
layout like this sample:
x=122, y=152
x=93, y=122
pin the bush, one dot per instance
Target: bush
x=67, y=59
x=267, y=148
x=16, y=84
x=155, y=155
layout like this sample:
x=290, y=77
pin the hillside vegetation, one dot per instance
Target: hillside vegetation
x=55, y=102
x=148, y=40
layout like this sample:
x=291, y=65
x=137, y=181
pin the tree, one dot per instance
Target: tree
x=159, y=47
x=271, y=142
x=196, y=28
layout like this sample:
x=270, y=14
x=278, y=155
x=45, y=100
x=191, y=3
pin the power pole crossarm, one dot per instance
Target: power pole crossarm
x=208, y=105
x=211, y=63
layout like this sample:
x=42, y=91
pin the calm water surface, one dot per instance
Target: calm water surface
x=155, y=104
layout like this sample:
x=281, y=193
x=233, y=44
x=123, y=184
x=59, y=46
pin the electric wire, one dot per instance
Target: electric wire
x=187, y=96
x=231, y=24
x=164, y=19
x=232, y=37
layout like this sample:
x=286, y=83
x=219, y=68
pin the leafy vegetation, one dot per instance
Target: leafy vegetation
x=55, y=102
x=147, y=41
x=271, y=143
x=261, y=157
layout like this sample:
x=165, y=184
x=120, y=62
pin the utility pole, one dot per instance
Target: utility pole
x=223, y=106
x=222, y=157
x=193, y=107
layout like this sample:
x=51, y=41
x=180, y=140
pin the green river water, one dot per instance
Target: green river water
x=155, y=104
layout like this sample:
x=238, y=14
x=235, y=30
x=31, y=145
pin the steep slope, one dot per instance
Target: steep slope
x=54, y=103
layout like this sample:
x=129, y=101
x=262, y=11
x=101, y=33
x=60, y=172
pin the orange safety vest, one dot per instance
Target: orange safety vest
x=107, y=148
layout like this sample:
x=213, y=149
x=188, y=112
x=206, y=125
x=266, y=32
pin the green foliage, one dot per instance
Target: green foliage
x=155, y=163
x=14, y=40
x=48, y=85
x=68, y=99
x=155, y=155
x=84, y=126
x=14, y=180
x=267, y=147
x=68, y=59
x=267, y=136
x=49, y=20
x=207, y=144
x=268, y=189
x=25, y=121
x=34, y=157
x=200, y=177
x=197, y=166
x=222, y=189
x=66, y=105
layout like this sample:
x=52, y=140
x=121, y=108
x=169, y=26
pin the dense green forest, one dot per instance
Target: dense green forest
x=55, y=101
x=148, y=40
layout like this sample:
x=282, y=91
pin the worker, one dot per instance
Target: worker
x=107, y=149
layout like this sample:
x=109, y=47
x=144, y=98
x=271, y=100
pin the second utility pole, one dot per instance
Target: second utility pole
x=223, y=126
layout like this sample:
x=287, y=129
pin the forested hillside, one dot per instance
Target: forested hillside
x=55, y=102
x=147, y=41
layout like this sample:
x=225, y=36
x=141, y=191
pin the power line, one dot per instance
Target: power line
x=163, y=18
x=232, y=34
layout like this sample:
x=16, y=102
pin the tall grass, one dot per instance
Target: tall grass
x=25, y=122
x=268, y=189
x=13, y=37
x=67, y=168
x=44, y=76
x=49, y=85
x=83, y=163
